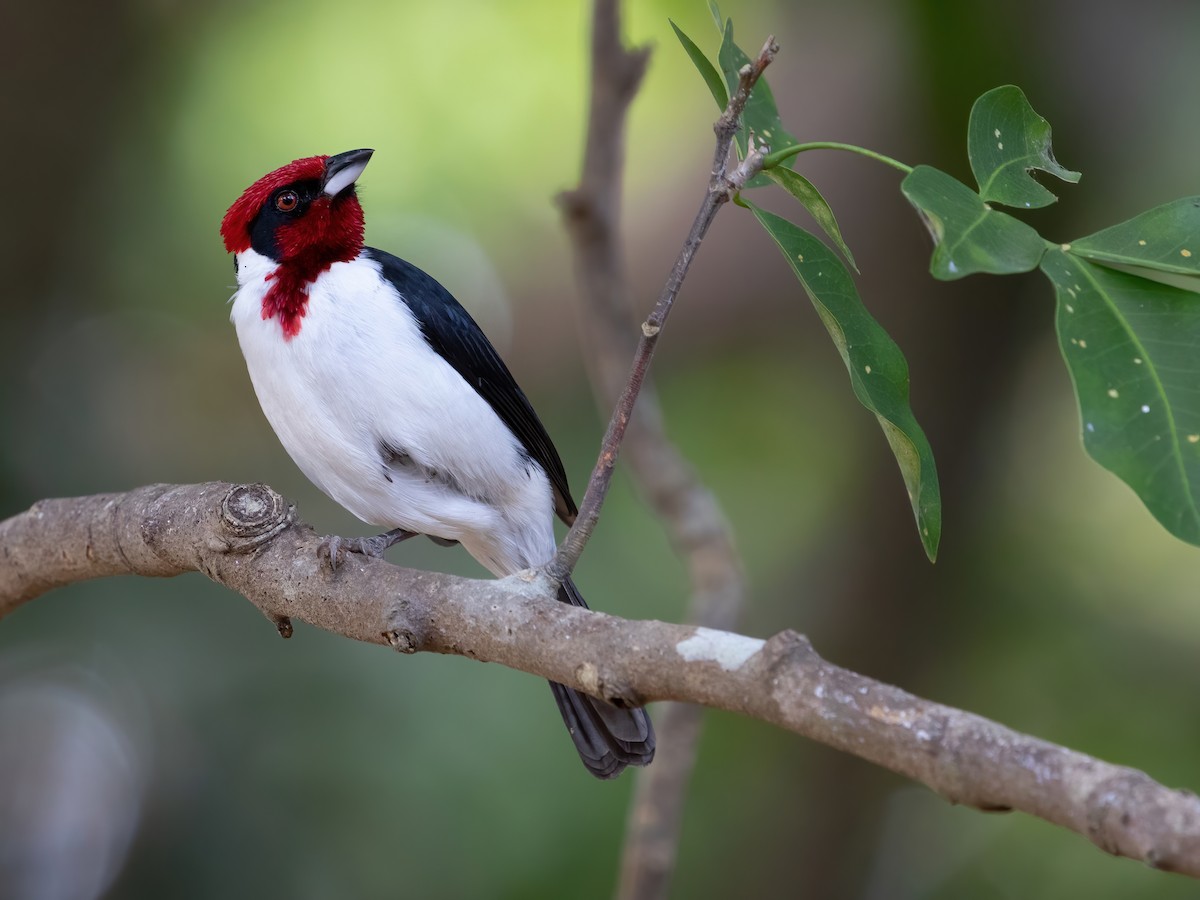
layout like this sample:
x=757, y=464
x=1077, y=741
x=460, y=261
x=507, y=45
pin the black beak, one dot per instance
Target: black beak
x=343, y=170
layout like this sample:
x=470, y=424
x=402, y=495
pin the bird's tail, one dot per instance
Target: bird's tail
x=608, y=738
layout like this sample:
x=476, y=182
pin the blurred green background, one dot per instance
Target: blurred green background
x=157, y=739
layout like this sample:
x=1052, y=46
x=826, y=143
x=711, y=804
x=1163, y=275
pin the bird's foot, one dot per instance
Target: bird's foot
x=332, y=548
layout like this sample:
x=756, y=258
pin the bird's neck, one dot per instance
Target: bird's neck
x=288, y=284
x=286, y=299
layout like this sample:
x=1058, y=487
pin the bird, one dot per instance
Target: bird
x=391, y=399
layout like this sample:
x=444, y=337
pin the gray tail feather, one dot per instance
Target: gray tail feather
x=607, y=737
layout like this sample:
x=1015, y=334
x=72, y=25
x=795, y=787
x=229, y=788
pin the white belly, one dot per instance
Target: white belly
x=359, y=378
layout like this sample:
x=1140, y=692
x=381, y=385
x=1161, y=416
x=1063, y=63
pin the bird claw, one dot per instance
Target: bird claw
x=332, y=548
x=329, y=550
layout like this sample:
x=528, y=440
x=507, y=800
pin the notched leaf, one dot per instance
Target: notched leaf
x=1006, y=142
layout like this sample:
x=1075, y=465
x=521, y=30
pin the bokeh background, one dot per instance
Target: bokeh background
x=157, y=739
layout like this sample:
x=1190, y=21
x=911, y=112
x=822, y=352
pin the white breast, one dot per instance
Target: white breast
x=360, y=377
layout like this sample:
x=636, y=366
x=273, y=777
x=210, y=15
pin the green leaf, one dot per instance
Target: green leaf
x=1006, y=142
x=761, y=116
x=968, y=235
x=808, y=195
x=1131, y=347
x=706, y=69
x=878, y=370
x=715, y=12
x=1166, y=238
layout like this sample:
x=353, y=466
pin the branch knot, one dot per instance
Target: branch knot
x=402, y=641
x=254, y=514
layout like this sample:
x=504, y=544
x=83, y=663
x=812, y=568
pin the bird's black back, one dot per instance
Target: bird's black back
x=456, y=337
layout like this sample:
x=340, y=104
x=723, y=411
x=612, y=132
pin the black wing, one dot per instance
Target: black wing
x=452, y=332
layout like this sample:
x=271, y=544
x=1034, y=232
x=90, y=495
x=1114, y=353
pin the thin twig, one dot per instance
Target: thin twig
x=690, y=514
x=245, y=537
x=722, y=187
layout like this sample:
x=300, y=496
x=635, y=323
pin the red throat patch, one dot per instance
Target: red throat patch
x=287, y=298
x=329, y=231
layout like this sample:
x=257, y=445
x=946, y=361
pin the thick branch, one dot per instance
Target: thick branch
x=690, y=514
x=245, y=537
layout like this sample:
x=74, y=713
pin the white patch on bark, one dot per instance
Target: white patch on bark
x=729, y=651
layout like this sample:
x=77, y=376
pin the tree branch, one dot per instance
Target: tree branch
x=247, y=538
x=690, y=514
x=723, y=185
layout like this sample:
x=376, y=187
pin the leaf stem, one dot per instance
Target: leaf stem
x=781, y=156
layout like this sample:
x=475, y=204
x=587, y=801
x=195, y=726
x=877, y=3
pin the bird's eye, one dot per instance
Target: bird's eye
x=287, y=201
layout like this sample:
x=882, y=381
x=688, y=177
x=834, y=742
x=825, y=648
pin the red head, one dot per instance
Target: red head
x=304, y=216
